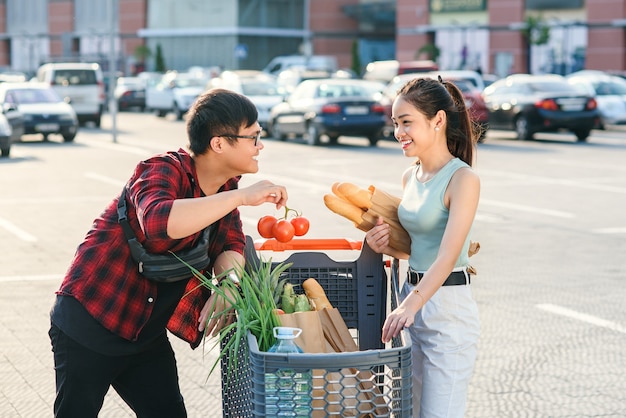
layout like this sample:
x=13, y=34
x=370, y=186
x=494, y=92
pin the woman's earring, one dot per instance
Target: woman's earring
x=436, y=128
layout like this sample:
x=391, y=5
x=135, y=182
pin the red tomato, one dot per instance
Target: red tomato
x=300, y=225
x=283, y=231
x=265, y=225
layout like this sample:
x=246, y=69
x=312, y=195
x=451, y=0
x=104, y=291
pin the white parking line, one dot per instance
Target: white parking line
x=104, y=179
x=579, y=316
x=616, y=230
x=524, y=208
x=18, y=232
x=34, y=278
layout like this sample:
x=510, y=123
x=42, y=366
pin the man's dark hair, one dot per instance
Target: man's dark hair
x=217, y=112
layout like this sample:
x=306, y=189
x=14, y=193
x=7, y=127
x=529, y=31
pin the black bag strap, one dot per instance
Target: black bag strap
x=122, y=216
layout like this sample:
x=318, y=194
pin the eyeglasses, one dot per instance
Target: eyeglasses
x=255, y=137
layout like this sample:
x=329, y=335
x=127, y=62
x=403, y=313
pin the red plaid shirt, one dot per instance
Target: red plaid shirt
x=104, y=278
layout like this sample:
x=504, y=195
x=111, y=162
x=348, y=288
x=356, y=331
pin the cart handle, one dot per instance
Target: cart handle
x=308, y=244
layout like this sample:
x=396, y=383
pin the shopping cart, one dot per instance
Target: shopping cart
x=372, y=382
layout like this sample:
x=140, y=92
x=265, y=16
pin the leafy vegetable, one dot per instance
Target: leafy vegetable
x=254, y=303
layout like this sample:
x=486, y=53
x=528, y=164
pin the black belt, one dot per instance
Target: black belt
x=454, y=279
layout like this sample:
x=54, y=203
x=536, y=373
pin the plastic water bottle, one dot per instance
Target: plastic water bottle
x=287, y=392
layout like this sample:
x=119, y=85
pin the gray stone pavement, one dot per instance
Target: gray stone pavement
x=531, y=363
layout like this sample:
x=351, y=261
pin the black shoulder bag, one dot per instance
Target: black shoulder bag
x=164, y=268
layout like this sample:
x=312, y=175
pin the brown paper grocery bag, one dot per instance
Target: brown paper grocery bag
x=344, y=393
x=386, y=205
x=339, y=338
x=311, y=340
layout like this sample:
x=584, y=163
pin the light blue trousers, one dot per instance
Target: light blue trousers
x=444, y=338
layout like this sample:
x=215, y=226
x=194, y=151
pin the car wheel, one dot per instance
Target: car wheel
x=69, y=137
x=98, y=120
x=178, y=112
x=522, y=129
x=582, y=134
x=373, y=139
x=313, y=135
x=333, y=139
x=161, y=113
x=277, y=133
x=45, y=137
x=4, y=152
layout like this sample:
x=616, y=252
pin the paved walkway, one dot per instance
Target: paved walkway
x=27, y=370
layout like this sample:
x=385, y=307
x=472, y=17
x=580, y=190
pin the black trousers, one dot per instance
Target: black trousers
x=147, y=381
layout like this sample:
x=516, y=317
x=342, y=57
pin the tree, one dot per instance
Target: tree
x=159, y=60
x=142, y=52
x=356, y=59
x=430, y=50
x=536, y=32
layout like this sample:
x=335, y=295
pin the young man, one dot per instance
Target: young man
x=109, y=321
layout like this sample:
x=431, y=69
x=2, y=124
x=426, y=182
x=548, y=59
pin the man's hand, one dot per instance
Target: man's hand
x=217, y=312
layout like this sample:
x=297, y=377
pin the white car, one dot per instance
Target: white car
x=609, y=91
x=261, y=88
x=81, y=83
x=174, y=93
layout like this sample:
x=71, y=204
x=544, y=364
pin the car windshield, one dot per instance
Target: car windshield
x=29, y=96
x=609, y=88
x=549, y=86
x=259, y=88
x=189, y=82
x=345, y=90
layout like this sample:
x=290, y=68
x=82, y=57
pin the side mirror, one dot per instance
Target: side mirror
x=8, y=107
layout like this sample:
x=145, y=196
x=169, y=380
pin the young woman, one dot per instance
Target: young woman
x=439, y=201
x=109, y=320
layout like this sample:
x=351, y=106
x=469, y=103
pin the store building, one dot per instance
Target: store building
x=487, y=35
x=493, y=35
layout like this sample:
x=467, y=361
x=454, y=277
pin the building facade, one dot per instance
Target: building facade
x=493, y=36
x=515, y=36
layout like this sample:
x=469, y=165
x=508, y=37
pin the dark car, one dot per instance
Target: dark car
x=331, y=107
x=45, y=112
x=130, y=92
x=540, y=103
x=11, y=127
x=471, y=94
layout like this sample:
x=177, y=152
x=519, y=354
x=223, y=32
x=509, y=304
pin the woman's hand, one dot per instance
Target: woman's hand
x=219, y=310
x=400, y=318
x=378, y=237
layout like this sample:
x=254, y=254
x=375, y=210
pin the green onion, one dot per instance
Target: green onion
x=254, y=303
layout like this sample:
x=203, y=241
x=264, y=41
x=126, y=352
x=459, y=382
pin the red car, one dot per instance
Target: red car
x=473, y=100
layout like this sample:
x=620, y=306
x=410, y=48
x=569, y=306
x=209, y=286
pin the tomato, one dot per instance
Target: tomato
x=283, y=231
x=279, y=311
x=300, y=225
x=265, y=225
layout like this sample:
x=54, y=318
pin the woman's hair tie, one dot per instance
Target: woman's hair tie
x=440, y=79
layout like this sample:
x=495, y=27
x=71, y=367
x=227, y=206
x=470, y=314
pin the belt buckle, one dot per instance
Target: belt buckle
x=414, y=277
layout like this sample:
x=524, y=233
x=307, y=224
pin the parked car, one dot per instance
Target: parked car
x=82, y=83
x=313, y=62
x=260, y=87
x=386, y=70
x=130, y=92
x=472, y=95
x=609, y=91
x=331, y=107
x=11, y=127
x=540, y=103
x=175, y=93
x=43, y=110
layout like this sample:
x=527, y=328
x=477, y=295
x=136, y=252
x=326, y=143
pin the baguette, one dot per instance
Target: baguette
x=315, y=292
x=335, y=190
x=344, y=208
x=357, y=196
